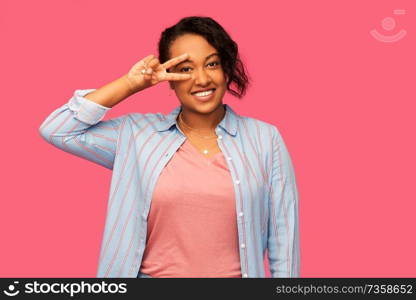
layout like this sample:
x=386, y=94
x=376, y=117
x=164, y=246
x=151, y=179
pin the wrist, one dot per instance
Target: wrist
x=131, y=87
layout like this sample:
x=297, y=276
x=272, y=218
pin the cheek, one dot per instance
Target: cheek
x=217, y=77
x=182, y=87
x=222, y=77
x=178, y=84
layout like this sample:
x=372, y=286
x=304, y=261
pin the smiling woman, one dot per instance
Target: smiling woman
x=199, y=192
x=214, y=66
x=201, y=96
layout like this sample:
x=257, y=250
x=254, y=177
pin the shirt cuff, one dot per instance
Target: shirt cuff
x=86, y=110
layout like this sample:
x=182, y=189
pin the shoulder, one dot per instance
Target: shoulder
x=262, y=127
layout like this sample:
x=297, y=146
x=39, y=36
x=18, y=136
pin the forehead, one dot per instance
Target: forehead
x=196, y=45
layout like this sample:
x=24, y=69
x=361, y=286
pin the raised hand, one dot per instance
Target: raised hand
x=149, y=71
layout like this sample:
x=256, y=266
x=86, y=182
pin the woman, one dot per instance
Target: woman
x=199, y=192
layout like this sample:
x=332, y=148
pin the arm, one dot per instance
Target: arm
x=283, y=223
x=76, y=128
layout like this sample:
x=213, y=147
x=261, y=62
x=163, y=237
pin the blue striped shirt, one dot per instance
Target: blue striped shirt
x=137, y=146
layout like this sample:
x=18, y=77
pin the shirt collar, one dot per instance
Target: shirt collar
x=228, y=123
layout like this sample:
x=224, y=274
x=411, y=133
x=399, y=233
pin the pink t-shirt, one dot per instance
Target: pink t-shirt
x=192, y=224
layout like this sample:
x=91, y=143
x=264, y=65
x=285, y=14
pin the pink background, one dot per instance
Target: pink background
x=343, y=101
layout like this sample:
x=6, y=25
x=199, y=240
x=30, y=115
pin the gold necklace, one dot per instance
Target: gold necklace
x=205, y=151
x=194, y=129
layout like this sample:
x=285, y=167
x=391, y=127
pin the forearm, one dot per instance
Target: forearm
x=112, y=93
x=77, y=128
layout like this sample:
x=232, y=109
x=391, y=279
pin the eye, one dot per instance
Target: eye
x=181, y=70
x=214, y=62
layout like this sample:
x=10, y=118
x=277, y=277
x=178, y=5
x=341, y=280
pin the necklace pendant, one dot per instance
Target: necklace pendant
x=205, y=151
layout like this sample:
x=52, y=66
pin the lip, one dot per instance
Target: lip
x=206, y=98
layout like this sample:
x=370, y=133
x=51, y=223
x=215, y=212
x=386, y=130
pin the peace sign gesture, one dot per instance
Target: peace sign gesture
x=149, y=71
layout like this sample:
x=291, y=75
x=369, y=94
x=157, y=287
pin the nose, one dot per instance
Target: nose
x=202, y=77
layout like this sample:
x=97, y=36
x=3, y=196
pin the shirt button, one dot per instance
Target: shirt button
x=241, y=214
x=229, y=158
x=243, y=245
x=220, y=136
x=237, y=181
x=245, y=275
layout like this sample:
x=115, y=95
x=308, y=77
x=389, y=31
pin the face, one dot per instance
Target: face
x=204, y=65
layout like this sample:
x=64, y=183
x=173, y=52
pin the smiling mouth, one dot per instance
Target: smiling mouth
x=204, y=96
x=204, y=93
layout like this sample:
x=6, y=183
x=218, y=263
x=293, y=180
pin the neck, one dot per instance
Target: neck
x=203, y=123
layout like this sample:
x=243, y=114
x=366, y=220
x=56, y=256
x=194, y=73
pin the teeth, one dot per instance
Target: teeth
x=203, y=94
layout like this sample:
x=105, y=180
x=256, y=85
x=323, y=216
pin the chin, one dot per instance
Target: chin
x=211, y=105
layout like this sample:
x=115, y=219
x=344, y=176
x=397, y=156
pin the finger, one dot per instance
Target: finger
x=146, y=70
x=176, y=76
x=142, y=63
x=153, y=63
x=151, y=66
x=148, y=58
x=175, y=60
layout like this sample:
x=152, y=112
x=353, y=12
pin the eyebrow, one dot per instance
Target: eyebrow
x=209, y=56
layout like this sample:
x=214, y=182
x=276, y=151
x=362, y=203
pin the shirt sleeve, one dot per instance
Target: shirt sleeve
x=283, y=224
x=77, y=128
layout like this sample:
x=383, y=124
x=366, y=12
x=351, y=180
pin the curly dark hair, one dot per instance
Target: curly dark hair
x=218, y=38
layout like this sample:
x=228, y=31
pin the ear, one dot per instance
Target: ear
x=226, y=77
